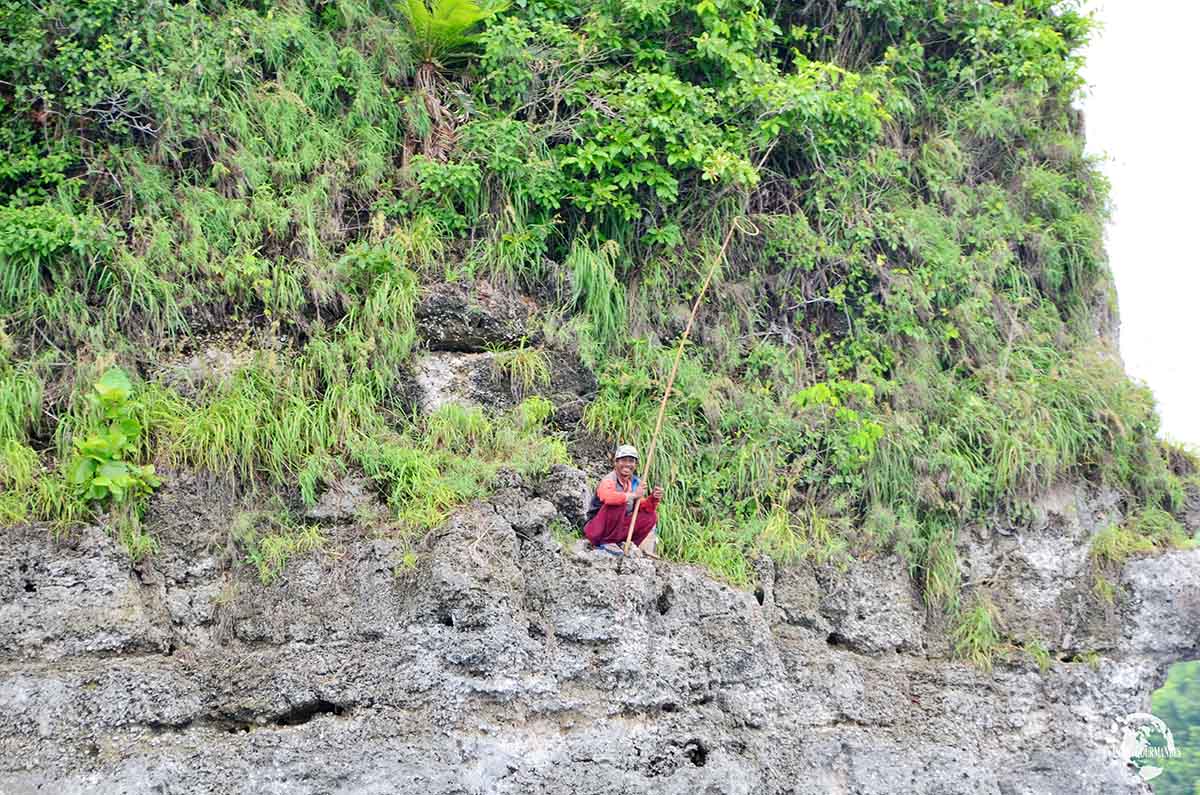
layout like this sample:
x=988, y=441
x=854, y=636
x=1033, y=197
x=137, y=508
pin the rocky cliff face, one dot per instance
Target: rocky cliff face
x=510, y=662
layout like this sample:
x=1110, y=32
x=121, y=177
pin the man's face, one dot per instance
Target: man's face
x=625, y=466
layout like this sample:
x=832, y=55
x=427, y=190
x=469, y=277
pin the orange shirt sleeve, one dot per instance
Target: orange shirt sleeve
x=609, y=494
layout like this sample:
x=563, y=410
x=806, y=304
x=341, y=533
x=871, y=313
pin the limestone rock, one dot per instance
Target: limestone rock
x=464, y=378
x=506, y=663
x=1164, y=614
x=1039, y=577
x=344, y=500
x=451, y=317
x=568, y=489
x=873, y=607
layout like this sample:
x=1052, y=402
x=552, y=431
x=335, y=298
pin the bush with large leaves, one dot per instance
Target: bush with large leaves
x=103, y=469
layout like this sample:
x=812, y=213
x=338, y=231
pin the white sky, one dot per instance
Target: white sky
x=1142, y=112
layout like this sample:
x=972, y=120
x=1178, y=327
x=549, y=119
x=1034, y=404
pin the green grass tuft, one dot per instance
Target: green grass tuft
x=20, y=401
x=1039, y=654
x=596, y=291
x=525, y=369
x=270, y=539
x=18, y=465
x=459, y=429
x=976, y=636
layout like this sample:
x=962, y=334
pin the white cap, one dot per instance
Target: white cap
x=625, y=451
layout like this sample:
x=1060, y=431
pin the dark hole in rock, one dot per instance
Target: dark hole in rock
x=695, y=751
x=303, y=713
x=536, y=631
x=760, y=595
x=24, y=567
x=670, y=706
x=445, y=619
x=30, y=587
x=834, y=639
x=664, y=601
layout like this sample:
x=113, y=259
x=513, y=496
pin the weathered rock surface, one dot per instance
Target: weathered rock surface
x=345, y=500
x=1039, y=576
x=507, y=663
x=465, y=378
x=462, y=328
x=451, y=317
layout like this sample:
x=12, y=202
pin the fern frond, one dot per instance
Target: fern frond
x=443, y=27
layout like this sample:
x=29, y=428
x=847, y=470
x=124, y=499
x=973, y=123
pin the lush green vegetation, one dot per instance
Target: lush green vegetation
x=1177, y=703
x=902, y=339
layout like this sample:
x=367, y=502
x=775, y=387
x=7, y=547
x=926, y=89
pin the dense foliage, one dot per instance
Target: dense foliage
x=909, y=332
x=1177, y=703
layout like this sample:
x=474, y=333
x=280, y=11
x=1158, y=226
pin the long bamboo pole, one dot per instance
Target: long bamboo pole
x=662, y=406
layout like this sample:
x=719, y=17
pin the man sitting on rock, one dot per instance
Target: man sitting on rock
x=612, y=506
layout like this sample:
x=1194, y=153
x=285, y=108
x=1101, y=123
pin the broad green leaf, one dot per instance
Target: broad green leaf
x=113, y=471
x=131, y=428
x=97, y=447
x=82, y=471
x=114, y=386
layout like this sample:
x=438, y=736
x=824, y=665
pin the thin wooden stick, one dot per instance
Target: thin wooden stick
x=675, y=365
x=662, y=407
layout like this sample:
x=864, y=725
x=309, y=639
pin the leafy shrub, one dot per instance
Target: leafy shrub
x=852, y=443
x=441, y=27
x=101, y=470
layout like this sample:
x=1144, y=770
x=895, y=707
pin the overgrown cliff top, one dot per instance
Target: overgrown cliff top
x=912, y=330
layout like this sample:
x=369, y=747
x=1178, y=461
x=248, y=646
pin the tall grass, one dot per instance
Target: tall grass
x=278, y=187
x=1015, y=431
x=19, y=469
x=596, y=291
x=18, y=465
x=459, y=428
x=20, y=400
x=526, y=369
x=453, y=457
